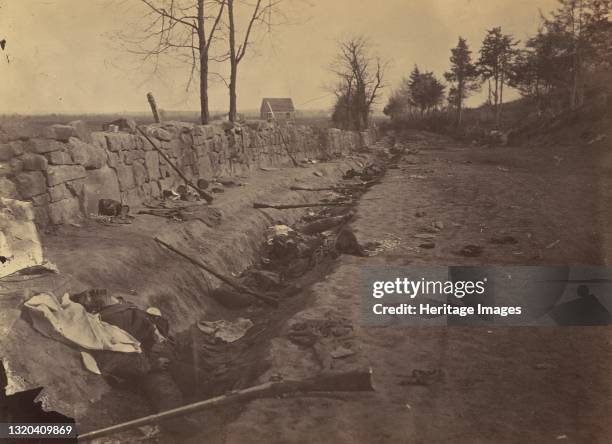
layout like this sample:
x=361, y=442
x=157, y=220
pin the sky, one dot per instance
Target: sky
x=63, y=56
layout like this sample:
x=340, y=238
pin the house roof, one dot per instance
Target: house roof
x=279, y=105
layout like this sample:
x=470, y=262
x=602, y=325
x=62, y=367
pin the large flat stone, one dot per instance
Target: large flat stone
x=34, y=162
x=120, y=141
x=98, y=139
x=8, y=188
x=90, y=156
x=59, y=132
x=57, y=174
x=125, y=174
x=6, y=152
x=59, y=192
x=30, y=183
x=151, y=159
x=81, y=130
x=60, y=158
x=140, y=173
x=65, y=211
x=41, y=146
x=100, y=184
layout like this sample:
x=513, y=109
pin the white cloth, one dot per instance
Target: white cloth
x=68, y=321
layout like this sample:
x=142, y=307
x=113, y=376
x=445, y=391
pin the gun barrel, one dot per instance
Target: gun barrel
x=346, y=381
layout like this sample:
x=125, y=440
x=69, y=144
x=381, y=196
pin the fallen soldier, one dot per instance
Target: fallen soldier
x=148, y=371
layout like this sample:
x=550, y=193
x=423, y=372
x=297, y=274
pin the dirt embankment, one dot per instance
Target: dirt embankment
x=127, y=261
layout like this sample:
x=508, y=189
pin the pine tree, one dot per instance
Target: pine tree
x=463, y=75
x=497, y=56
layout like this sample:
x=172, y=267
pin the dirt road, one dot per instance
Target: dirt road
x=499, y=384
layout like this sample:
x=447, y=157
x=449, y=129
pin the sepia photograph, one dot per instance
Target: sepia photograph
x=305, y=221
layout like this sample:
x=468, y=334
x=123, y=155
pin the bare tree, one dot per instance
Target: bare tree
x=360, y=78
x=259, y=15
x=178, y=29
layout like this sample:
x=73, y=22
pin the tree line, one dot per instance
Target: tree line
x=567, y=63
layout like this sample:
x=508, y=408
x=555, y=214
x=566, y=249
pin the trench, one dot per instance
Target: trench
x=129, y=263
x=207, y=368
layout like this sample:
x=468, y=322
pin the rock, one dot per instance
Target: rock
x=470, y=251
x=59, y=192
x=100, y=184
x=7, y=151
x=5, y=169
x=152, y=163
x=119, y=141
x=15, y=166
x=129, y=157
x=76, y=188
x=98, y=139
x=8, y=189
x=59, y=132
x=41, y=216
x=65, y=211
x=125, y=175
x=41, y=146
x=34, y=162
x=90, y=156
x=41, y=200
x=60, y=158
x=111, y=207
x=140, y=173
x=30, y=183
x=159, y=133
x=19, y=238
x=80, y=128
x=347, y=243
x=57, y=174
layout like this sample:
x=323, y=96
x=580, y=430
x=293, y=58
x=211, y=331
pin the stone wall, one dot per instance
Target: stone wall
x=66, y=170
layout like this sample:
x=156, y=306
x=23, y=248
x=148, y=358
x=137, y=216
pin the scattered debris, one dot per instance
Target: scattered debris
x=180, y=211
x=470, y=251
x=226, y=331
x=341, y=352
x=543, y=366
x=597, y=139
x=503, y=240
x=503, y=168
x=552, y=244
x=427, y=245
x=423, y=377
x=325, y=224
x=291, y=206
x=346, y=243
x=424, y=236
x=377, y=247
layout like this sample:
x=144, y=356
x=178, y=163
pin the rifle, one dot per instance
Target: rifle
x=353, y=381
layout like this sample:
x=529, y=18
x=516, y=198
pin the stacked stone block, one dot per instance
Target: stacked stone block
x=67, y=170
